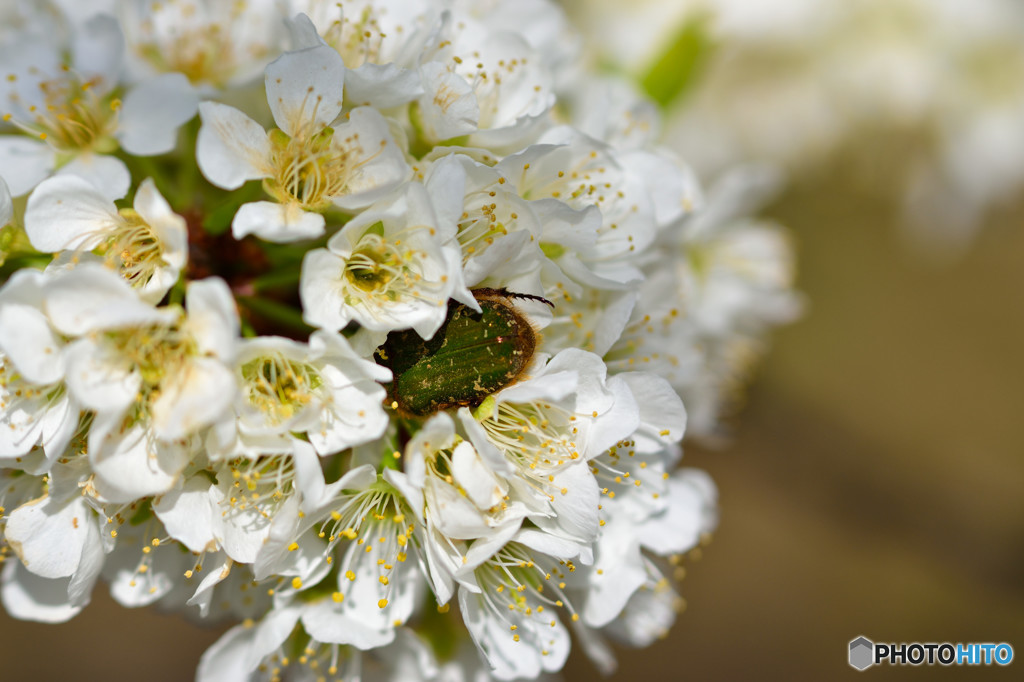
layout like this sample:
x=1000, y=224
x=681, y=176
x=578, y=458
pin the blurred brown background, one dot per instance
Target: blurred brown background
x=875, y=485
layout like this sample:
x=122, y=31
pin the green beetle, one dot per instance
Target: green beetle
x=470, y=357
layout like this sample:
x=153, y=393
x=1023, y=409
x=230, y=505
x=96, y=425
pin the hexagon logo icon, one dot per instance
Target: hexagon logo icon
x=862, y=653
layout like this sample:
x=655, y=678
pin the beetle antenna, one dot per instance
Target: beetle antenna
x=529, y=297
x=485, y=292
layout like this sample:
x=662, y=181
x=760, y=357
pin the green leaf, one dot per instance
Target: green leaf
x=678, y=68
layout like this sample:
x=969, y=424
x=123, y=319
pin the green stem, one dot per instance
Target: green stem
x=176, y=296
x=277, y=279
x=189, y=178
x=275, y=312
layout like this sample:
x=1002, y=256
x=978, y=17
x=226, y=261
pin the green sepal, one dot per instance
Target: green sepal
x=377, y=228
x=552, y=250
x=279, y=139
x=142, y=514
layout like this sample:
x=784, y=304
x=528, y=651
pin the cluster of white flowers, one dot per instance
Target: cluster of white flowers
x=319, y=317
x=795, y=81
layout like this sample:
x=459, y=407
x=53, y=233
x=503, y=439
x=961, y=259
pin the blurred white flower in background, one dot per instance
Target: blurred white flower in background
x=927, y=95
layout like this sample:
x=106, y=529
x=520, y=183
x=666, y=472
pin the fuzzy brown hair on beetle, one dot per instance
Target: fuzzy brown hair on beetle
x=472, y=355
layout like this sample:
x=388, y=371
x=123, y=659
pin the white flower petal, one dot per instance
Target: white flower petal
x=108, y=174
x=280, y=556
x=67, y=212
x=91, y=297
x=382, y=85
x=309, y=476
x=476, y=479
x=323, y=622
x=280, y=223
x=648, y=616
x=618, y=572
x=203, y=390
x=305, y=86
x=130, y=466
x=575, y=502
x=446, y=183
x=541, y=646
x=448, y=108
x=153, y=112
x=20, y=432
x=378, y=164
x=26, y=596
x=187, y=513
x=673, y=188
x=244, y=530
x=303, y=32
x=239, y=652
x=662, y=414
x=549, y=386
x=213, y=318
x=691, y=512
x=231, y=147
x=6, y=205
x=49, y=535
x=224, y=660
x=24, y=162
x=88, y=572
x=619, y=420
x=352, y=412
x=30, y=344
x=454, y=515
x=98, y=380
x=322, y=307
x=97, y=50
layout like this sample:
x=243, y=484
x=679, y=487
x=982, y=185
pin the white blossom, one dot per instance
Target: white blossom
x=392, y=267
x=147, y=245
x=72, y=115
x=307, y=164
x=215, y=45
